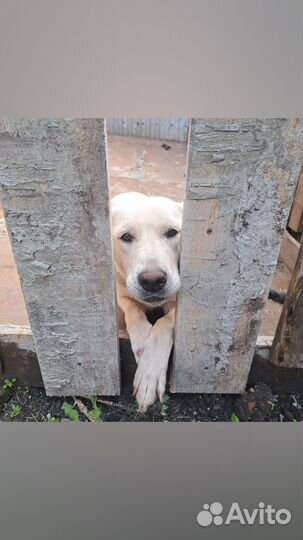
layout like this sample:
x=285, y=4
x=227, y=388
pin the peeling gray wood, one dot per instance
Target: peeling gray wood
x=54, y=189
x=241, y=180
x=287, y=348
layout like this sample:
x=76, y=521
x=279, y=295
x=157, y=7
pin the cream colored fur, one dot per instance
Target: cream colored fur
x=147, y=220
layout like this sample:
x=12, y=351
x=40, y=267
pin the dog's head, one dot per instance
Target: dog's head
x=146, y=238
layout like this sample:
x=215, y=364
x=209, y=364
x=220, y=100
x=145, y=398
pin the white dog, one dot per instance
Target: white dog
x=146, y=241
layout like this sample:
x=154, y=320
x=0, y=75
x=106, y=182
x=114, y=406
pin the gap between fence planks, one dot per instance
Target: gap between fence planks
x=287, y=348
x=240, y=182
x=54, y=187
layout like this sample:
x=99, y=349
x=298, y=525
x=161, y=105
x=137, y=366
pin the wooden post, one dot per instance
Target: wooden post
x=53, y=176
x=287, y=347
x=296, y=214
x=289, y=251
x=241, y=179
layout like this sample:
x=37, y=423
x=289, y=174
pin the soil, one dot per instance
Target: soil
x=258, y=404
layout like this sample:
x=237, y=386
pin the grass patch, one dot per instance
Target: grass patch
x=95, y=413
x=9, y=384
x=70, y=412
x=15, y=411
x=164, y=406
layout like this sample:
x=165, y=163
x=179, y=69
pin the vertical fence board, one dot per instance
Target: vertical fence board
x=287, y=347
x=241, y=179
x=296, y=215
x=53, y=177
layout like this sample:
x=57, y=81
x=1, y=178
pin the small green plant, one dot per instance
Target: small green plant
x=96, y=412
x=8, y=384
x=234, y=418
x=164, y=406
x=70, y=412
x=273, y=405
x=132, y=408
x=52, y=420
x=16, y=410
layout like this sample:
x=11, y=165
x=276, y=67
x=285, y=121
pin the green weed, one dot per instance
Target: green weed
x=70, y=412
x=234, y=418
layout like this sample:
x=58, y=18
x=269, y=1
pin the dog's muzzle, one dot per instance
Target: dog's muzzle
x=152, y=282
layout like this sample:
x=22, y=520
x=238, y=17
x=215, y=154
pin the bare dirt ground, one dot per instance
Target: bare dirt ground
x=258, y=404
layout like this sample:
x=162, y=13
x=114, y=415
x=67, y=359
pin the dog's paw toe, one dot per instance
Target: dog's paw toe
x=139, y=352
x=145, y=399
x=148, y=385
x=145, y=391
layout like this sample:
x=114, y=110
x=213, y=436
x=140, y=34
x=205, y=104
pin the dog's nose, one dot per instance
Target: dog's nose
x=152, y=281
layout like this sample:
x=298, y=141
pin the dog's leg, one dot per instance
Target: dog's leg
x=150, y=378
x=137, y=325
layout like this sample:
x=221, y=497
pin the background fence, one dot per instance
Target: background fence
x=169, y=129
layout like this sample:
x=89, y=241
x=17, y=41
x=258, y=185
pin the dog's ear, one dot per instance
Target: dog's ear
x=180, y=205
x=114, y=206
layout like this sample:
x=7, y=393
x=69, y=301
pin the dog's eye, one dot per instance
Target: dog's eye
x=127, y=237
x=171, y=232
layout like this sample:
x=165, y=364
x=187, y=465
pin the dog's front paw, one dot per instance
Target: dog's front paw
x=149, y=381
x=139, y=336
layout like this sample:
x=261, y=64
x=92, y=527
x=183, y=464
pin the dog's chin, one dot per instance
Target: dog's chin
x=153, y=301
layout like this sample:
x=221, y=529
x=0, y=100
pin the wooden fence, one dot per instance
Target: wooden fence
x=241, y=180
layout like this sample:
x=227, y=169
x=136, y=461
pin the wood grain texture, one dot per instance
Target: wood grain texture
x=287, y=348
x=241, y=179
x=296, y=214
x=289, y=251
x=54, y=189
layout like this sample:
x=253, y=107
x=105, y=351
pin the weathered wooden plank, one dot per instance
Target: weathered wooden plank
x=53, y=176
x=296, y=214
x=287, y=348
x=289, y=251
x=18, y=359
x=280, y=380
x=241, y=179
